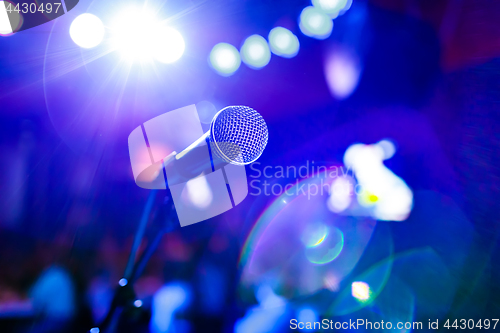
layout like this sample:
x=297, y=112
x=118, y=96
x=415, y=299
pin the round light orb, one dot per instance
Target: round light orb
x=283, y=42
x=87, y=31
x=255, y=52
x=330, y=7
x=225, y=59
x=169, y=46
x=315, y=23
x=139, y=35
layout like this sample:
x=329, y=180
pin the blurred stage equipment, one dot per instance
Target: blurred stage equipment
x=18, y=15
x=237, y=136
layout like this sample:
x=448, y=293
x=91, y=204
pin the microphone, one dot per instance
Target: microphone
x=237, y=135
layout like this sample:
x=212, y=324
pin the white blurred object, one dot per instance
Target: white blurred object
x=265, y=317
x=381, y=191
x=87, y=31
x=315, y=23
x=198, y=193
x=167, y=301
x=342, y=72
x=139, y=35
x=330, y=7
x=341, y=194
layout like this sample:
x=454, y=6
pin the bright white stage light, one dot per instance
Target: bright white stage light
x=87, y=31
x=331, y=7
x=283, y=42
x=255, y=52
x=225, y=59
x=170, y=45
x=315, y=23
x=139, y=35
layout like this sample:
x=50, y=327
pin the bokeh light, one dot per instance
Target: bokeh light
x=139, y=35
x=87, y=31
x=283, y=42
x=382, y=193
x=315, y=23
x=330, y=7
x=170, y=46
x=342, y=72
x=255, y=52
x=360, y=290
x=225, y=59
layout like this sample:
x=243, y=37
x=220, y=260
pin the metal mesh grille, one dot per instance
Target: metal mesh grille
x=240, y=134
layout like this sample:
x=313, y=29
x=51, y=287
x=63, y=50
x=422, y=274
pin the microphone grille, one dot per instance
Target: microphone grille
x=239, y=134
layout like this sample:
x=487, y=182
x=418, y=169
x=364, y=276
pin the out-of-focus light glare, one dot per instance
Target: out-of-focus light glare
x=167, y=301
x=170, y=45
x=123, y=282
x=307, y=315
x=139, y=35
x=87, y=31
x=315, y=23
x=387, y=195
x=314, y=234
x=95, y=330
x=388, y=148
x=255, y=52
x=225, y=59
x=360, y=290
x=198, y=193
x=340, y=196
x=283, y=42
x=342, y=72
x=137, y=303
x=330, y=7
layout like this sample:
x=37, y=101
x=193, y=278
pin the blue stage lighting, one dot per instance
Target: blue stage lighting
x=225, y=59
x=283, y=42
x=315, y=23
x=255, y=52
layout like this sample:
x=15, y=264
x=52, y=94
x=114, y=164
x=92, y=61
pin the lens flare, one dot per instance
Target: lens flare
x=315, y=23
x=255, y=52
x=139, y=35
x=87, y=31
x=327, y=248
x=360, y=290
x=225, y=59
x=283, y=42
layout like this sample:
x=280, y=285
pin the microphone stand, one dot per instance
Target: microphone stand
x=124, y=294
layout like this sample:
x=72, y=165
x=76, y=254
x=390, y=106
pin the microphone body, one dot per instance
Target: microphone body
x=237, y=135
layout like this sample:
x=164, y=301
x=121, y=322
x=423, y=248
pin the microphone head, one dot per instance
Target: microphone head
x=238, y=134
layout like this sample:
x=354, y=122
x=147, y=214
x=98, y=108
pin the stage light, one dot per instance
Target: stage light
x=87, y=31
x=170, y=45
x=225, y=59
x=137, y=303
x=255, y=52
x=283, y=42
x=139, y=35
x=123, y=282
x=315, y=23
x=330, y=7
